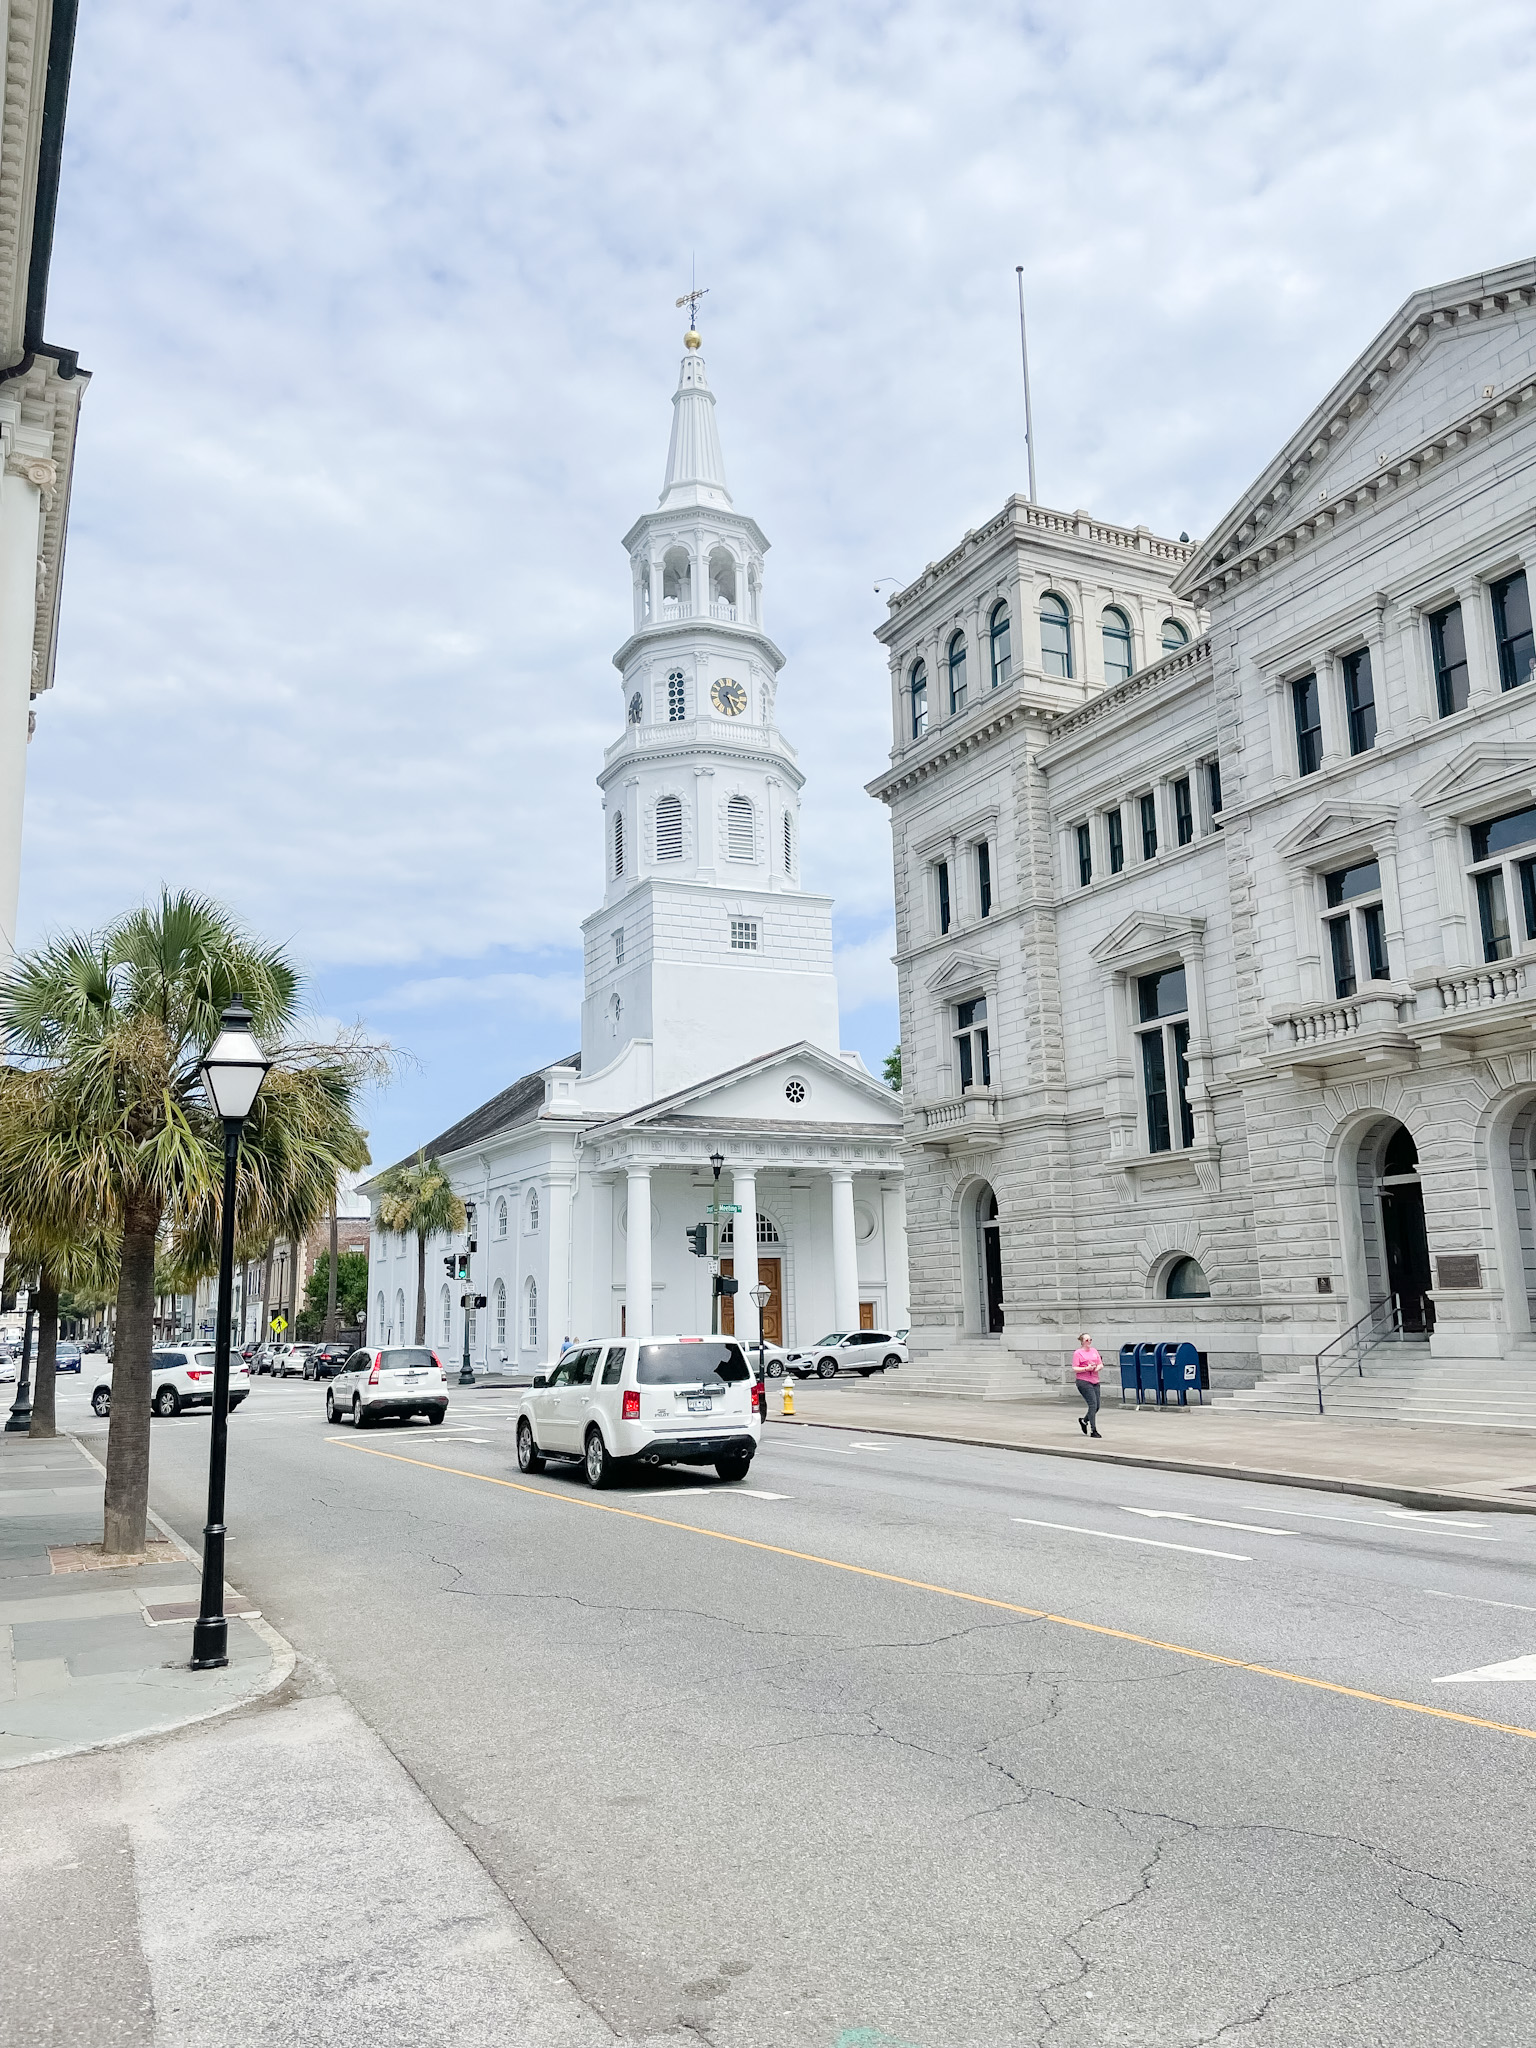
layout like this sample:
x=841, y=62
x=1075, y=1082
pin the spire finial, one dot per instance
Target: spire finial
x=690, y=299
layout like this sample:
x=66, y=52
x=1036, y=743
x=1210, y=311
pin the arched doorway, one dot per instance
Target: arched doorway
x=1394, y=1240
x=981, y=1242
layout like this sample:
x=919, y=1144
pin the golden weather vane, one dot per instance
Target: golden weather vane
x=691, y=300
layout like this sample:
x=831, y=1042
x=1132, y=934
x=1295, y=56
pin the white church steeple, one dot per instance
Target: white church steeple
x=706, y=951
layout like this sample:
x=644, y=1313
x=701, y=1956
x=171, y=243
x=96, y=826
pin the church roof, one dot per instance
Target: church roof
x=674, y=1110
x=695, y=465
x=519, y=1104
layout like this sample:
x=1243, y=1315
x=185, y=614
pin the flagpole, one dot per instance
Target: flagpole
x=1029, y=422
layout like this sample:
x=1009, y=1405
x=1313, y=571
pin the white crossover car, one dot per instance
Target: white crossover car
x=860, y=1351
x=645, y=1401
x=401, y=1380
x=181, y=1376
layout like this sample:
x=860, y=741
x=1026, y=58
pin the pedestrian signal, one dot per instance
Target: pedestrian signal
x=698, y=1240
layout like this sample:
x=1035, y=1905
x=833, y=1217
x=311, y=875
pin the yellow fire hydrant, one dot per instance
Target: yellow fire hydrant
x=789, y=1398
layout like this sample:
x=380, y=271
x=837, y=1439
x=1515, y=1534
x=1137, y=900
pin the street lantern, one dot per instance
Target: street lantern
x=760, y=1296
x=716, y=1162
x=232, y=1069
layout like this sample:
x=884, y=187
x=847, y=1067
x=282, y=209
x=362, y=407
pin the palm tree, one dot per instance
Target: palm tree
x=105, y=1126
x=418, y=1198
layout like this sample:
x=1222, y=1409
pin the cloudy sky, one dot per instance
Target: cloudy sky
x=379, y=304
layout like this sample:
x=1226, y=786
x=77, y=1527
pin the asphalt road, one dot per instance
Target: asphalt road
x=911, y=1743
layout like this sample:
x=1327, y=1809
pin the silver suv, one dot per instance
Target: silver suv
x=645, y=1401
x=860, y=1351
x=402, y=1380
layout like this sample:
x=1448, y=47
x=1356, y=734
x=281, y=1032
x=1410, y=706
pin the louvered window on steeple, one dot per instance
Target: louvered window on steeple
x=669, y=828
x=738, y=826
x=789, y=845
x=618, y=844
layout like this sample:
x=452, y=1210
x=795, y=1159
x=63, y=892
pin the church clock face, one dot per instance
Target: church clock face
x=728, y=696
x=636, y=708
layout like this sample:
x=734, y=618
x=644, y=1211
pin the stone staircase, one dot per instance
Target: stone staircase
x=1401, y=1383
x=976, y=1369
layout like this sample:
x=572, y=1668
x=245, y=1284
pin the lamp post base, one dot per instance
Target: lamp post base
x=466, y=1375
x=210, y=1643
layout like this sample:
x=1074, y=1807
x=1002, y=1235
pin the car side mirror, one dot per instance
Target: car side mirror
x=541, y=1379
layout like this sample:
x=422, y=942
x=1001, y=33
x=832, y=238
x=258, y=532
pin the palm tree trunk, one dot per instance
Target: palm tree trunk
x=127, y=1497
x=43, y=1410
x=421, y=1288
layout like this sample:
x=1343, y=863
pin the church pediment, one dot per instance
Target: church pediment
x=961, y=971
x=1479, y=776
x=798, y=1084
x=1145, y=935
x=1334, y=829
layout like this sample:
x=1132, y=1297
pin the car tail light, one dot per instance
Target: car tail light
x=198, y=1375
x=631, y=1404
x=373, y=1377
x=442, y=1375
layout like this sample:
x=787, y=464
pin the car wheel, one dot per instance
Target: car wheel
x=775, y=1368
x=437, y=1414
x=167, y=1402
x=597, y=1464
x=528, y=1459
x=359, y=1420
x=737, y=1466
x=825, y=1368
x=101, y=1401
x=887, y=1363
x=330, y=1406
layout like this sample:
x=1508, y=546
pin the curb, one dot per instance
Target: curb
x=284, y=1659
x=1431, y=1500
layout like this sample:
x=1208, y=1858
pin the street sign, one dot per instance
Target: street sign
x=279, y=1323
x=725, y=1208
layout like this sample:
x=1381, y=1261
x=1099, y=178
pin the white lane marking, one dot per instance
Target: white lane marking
x=1206, y=1521
x=1513, y=1668
x=1114, y=1536
x=1375, y=1522
x=1424, y=1515
x=1473, y=1600
x=724, y=1492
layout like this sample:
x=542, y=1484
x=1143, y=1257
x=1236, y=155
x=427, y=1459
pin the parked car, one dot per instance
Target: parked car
x=66, y=1357
x=7, y=1370
x=860, y=1351
x=326, y=1360
x=181, y=1377
x=645, y=1400
x=402, y=1380
x=291, y=1365
x=774, y=1359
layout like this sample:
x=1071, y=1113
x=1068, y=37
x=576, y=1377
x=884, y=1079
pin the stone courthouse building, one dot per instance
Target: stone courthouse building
x=1216, y=898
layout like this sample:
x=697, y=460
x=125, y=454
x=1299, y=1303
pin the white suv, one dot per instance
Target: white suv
x=403, y=1380
x=645, y=1401
x=860, y=1351
x=182, y=1377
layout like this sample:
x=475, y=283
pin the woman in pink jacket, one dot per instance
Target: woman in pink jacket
x=1085, y=1368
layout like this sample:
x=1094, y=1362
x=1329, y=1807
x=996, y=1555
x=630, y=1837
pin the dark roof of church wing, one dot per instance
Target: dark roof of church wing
x=519, y=1104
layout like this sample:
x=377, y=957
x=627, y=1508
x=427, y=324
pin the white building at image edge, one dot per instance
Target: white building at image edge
x=710, y=1015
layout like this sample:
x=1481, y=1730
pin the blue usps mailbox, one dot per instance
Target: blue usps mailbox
x=1178, y=1367
x=1146, y=1366
x=1129, y=1378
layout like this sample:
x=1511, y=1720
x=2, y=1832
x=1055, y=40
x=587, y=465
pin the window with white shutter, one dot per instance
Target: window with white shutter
x=738, y=825
x=669, y=828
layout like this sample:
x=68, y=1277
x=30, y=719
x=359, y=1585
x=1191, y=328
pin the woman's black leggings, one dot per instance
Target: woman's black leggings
x=1089, y=1389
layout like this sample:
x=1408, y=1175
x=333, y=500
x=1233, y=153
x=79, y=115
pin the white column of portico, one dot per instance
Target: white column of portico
x=845, y=1252
x=20, y=515
x=744, y=1263
x=637, y=1252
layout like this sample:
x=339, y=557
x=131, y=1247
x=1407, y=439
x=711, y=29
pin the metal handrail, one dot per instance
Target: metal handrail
x=1362, y=1334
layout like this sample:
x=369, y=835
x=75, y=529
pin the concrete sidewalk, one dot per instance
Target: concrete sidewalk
x=92, y=1656
x=1417, y=1466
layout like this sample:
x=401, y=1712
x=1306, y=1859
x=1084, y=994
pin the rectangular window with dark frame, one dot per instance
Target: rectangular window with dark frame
x=1306, y=708
x=942, y=874
x=1508, y=879
x=984, y=877
x=1343, y=957
x=1183, y=811
x=973, y=1044
x=1084, y=856
x=1116, y=841
x=1448, y=645
x=1154, y=1078
x=1512, y=630
x=1361, y=932
x=1360, y=701
x=1149, y=826
x=1162, y=1001
x=1213, y=788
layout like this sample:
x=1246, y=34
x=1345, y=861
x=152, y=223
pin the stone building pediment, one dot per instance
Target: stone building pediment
x=1144, y=935
x=1485, y=773
x=1334, y=829
x=962, y=971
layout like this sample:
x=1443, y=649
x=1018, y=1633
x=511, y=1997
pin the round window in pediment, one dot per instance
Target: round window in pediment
x=795, y=1092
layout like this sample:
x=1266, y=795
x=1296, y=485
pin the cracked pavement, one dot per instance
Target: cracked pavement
x=741, y=1798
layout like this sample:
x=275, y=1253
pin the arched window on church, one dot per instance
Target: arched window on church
x=740, y=837
x=501, y=1217
x=447, y=1316
x=1117, y=646
x=501, y=1312
x=669, y=828
x=618, y=843
x=789, y=845
x=533, y=1211
x=531, y=1295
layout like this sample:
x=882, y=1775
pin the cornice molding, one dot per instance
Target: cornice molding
x=1189, y=667
x=953, y=744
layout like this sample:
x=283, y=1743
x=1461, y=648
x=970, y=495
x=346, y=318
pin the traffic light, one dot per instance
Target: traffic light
x=462, y=1272
x=698, y=1239
x=724, y=1284
x=479, y=1301
x=451, y=1266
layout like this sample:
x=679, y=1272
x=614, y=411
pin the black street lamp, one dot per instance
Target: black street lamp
x=467, y=1369
x=716, y=1162
x=19, y=1421
x=233, y=1070
x=760, y=1296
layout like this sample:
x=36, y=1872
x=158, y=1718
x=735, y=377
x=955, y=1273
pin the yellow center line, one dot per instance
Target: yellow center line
x=864, y=1571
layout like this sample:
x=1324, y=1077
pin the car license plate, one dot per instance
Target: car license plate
x=699, y=1404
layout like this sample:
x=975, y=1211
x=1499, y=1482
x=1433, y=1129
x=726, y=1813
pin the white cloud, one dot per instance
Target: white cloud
x=379, y=305
x=865, y=973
